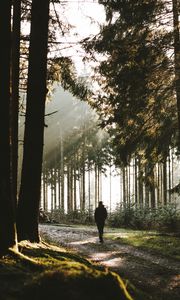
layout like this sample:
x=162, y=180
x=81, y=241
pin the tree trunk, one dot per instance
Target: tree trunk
x=152, y=189
x=169, y=176
x=110, y=189
x=52, y=190
x=135, y=181
x=62, y=173
x=45, y=195
x=59, y=186
x=140, y=184
x=96, y=185
x=165, y=182
x=83, y=187
x=159, y=197
x=89, y=191
x=29, y=197
x=7, y=211
x=75, y=187
x=68, y=190
x=124, y=186
x=147, y=187
x=176, y=9
x=55, y=188
x=15, y=93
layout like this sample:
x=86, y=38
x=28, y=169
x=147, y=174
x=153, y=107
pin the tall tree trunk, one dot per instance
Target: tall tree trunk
x=146, y=188
x=152, y=189
x=55, y=188
x=158, y=185
x=124, y=186
x=59, y=186
x=176, y=9
x=70, y=187
x=165, y=181
x=83, y=187
x=75, y=188
x=45, y=196
x=140, y=184
x=15, y=93
x=29, y=197
x=62, y=172
x=7, y=211
x=161, y=184
x=110, y=189
x=172, y=172
x=127, y=185
x=169, y=176
x=52, y=190
x=96, y=185
x=135, y=181
x=68, y=190
x=89, y=191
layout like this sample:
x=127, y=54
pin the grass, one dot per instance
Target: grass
x=161, y=244
x=43, y=271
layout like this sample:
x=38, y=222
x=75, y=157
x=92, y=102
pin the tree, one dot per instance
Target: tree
x=29, y=196
x=7, y=211
x=15, y=93
x=176, y=12
x=135, y=102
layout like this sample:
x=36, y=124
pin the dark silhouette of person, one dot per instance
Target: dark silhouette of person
x=100, y=216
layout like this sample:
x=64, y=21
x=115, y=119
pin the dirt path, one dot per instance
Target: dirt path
x=156, y=277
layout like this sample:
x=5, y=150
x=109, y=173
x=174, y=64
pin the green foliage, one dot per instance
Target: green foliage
x=166, y=218
x=163, y=244
x=73, y=217
x=136, y=102
x=62, y=70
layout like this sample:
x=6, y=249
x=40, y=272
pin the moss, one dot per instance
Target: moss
x=56, y=273
x=75, y=281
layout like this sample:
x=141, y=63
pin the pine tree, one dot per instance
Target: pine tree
x=7, y=211
x=29, y=196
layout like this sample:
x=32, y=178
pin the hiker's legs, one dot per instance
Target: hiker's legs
x=100, y=227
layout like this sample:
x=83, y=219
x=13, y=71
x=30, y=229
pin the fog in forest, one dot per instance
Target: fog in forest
x=66, y=120
x=64, y=116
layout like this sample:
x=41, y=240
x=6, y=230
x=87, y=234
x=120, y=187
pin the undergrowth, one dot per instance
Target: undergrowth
x=164, y=219
x=166, y=245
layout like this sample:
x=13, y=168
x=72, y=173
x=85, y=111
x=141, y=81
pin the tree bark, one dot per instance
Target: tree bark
x=29, y=196
x=15, y=93
x=62, y=173
x=165, y=181
x=7, y=211
x=176, y=8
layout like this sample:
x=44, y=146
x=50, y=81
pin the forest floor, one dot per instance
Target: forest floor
x=148, y=261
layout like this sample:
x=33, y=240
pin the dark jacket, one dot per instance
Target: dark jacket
x=100, y=214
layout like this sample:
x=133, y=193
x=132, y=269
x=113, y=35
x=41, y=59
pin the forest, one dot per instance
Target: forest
x=74, y=135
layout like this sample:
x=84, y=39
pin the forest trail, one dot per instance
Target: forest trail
x=156, y=276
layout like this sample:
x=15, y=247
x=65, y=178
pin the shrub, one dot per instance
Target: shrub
x=166, y=218
x=73, y=217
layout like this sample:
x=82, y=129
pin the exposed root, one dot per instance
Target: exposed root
x=25, y=259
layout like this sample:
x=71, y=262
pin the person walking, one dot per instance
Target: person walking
x=100, y=216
